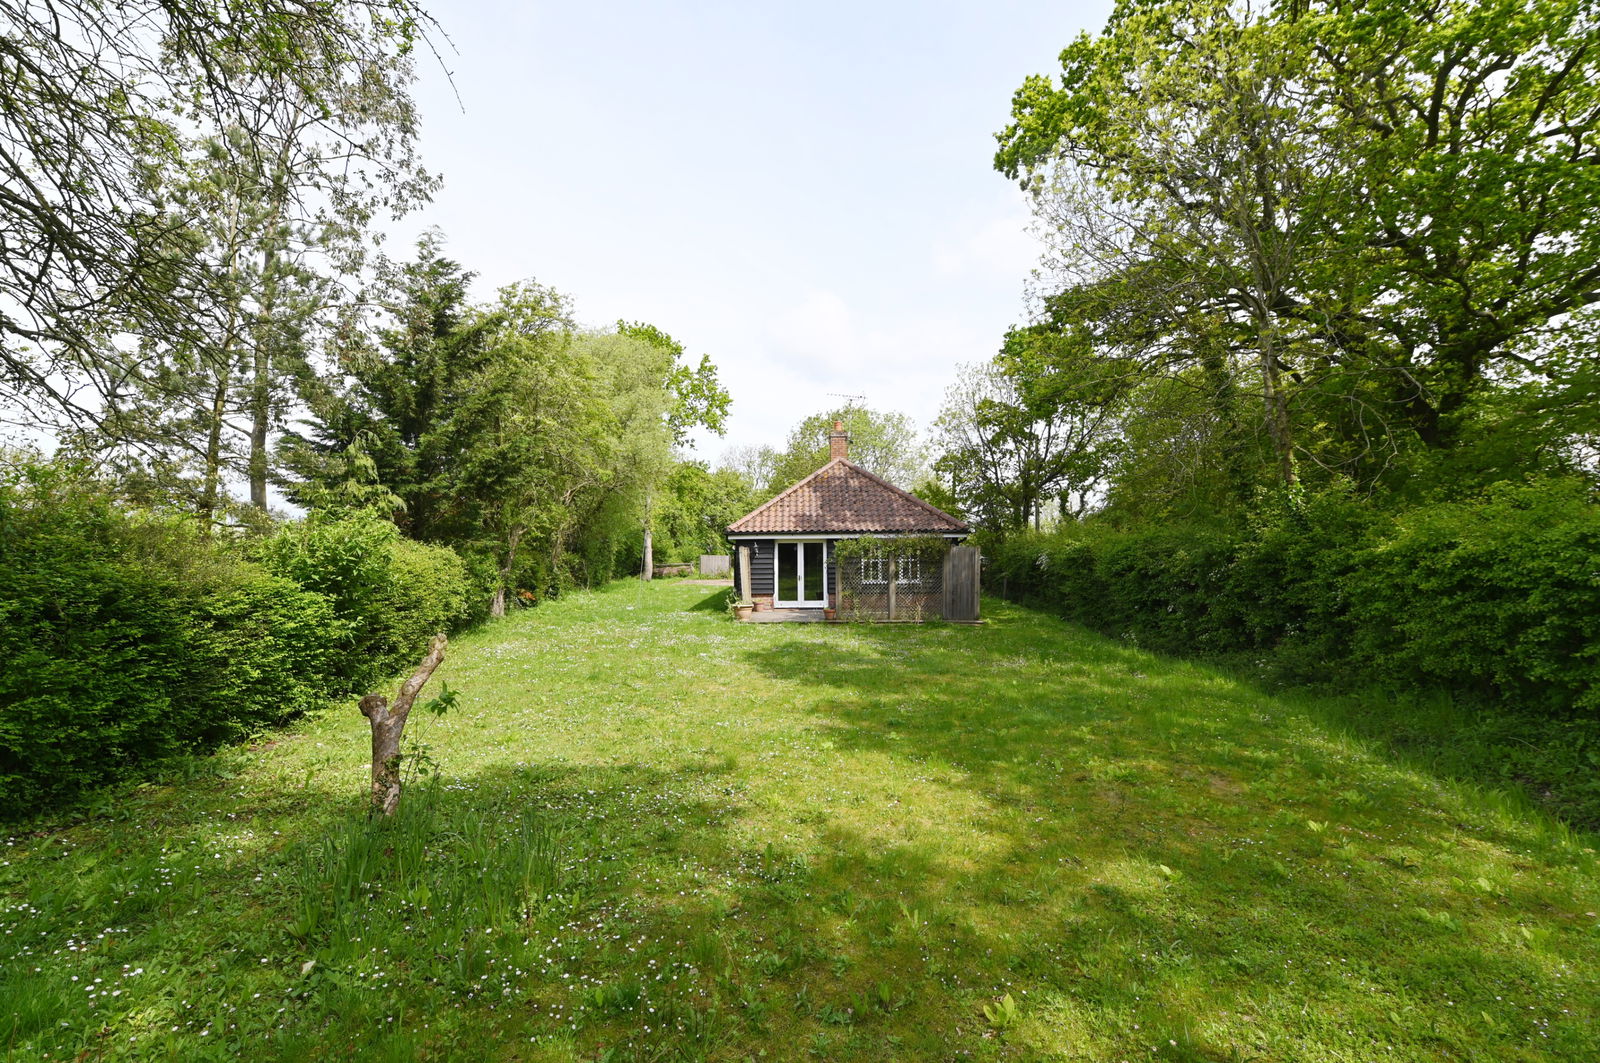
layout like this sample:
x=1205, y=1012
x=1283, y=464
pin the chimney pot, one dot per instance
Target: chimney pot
x=838, y=442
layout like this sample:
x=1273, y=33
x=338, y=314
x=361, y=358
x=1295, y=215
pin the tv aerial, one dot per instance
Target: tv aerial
x=850, y=400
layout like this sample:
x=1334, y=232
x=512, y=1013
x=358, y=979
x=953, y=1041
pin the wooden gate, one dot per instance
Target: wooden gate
x=961, y=584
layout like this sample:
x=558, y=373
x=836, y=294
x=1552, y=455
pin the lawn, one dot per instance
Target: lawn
x=652, y=833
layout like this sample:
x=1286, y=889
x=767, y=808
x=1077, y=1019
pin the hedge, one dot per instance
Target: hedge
x=127, y=638
x=1497, y=597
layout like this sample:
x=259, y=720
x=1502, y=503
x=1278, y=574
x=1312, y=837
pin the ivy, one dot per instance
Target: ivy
x=928, y=547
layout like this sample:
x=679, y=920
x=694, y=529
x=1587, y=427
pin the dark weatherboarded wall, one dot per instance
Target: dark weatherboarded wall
x=764, y=563
x=763, y=559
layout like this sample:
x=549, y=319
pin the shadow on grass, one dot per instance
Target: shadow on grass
x=1155, y=861
x=715, y=602
x=1172, y=849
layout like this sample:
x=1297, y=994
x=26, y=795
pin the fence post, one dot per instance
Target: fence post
x=894, y=572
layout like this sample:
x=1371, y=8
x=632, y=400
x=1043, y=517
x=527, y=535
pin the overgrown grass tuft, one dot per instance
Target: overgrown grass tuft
x=659, y=835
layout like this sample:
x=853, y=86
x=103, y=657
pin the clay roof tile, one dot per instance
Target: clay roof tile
x=843, y=498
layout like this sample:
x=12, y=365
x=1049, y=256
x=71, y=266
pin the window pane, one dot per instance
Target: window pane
x=788, y=572
x=910, y=570
x=813, y=571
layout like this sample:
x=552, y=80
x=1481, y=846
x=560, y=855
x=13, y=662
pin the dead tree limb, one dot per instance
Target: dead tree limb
x=389, y=723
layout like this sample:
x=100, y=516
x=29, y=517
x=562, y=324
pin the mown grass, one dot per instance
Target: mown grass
x=656, y=834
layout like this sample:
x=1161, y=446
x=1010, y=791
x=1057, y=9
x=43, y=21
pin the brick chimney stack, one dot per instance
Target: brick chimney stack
x=838, y=442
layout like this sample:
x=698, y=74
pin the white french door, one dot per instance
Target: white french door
x=802, y=574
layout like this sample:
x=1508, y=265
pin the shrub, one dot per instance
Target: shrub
x=389, y=594
x=428, y=589
x=128, y=638
x=263, y=644
x=1500, y=596
x=1495, y=598
x=1490, y=607
x=347, y=561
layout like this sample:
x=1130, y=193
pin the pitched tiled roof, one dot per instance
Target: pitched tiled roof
x=842, y=497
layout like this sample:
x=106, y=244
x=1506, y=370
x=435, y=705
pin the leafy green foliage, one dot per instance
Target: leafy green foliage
x=698, y=400
x=428, y=589
x=131, y=637
x=1501, y=595
x=382, y=419
x=925, y=547
x=1036, y=428
x=1376, y=218
x=108, y=116
x=1493, y=602
x=389, y=595
x=693, y=509
x=937, y=495
x=884, y=443
x=1002, y=1014
x=198, y=408
x=532, y=449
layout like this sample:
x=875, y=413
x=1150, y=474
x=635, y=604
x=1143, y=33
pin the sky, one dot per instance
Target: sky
x=804, y=192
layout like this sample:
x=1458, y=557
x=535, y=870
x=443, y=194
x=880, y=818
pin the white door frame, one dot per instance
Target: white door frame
x=800, y=574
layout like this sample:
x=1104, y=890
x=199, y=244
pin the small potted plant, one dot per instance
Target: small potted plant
x=742, y=609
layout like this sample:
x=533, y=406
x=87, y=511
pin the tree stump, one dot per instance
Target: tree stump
x=389, y=723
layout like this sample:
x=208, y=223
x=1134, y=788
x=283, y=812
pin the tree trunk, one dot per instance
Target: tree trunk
x=261, y=386
x=1222, y=397
x=268, y=335
x=260, y=407
x=211, y=489
x=388, y=724
x=508, y=563
x=1278, y=427
x=649, y=544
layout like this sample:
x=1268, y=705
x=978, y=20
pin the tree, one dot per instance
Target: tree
x=934, y=492
x=532, y=432
x=531, y=448
x=694, y=507
x=638, y=370
x=397, y=388
x=1037, y=425
x=1384, y=207
x=883, y=443
x=388, y=724
x=1472, y=171
x=1184, y=436
x=105, y=111
x=755, y=465
x=200, y=406
x=696, y=399
x=1178, y=138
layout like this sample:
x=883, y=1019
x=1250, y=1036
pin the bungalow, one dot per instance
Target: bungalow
x=786, y=549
